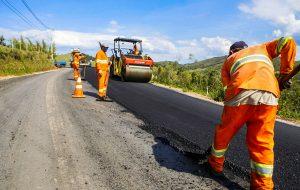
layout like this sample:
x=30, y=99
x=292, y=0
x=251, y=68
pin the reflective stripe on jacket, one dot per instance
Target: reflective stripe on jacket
x=252, y=68
x=101, y=59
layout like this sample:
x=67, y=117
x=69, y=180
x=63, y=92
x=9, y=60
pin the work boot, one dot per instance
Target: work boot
x=212, y=172
x=102, y=98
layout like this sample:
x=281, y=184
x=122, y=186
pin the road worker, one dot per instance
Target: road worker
x=76, y=57
x=251, y=98
x=102, y=69
x=135, y=50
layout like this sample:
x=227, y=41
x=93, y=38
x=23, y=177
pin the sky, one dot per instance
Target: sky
x=181, y=30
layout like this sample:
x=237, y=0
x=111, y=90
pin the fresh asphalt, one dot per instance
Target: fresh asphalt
x=194, y=120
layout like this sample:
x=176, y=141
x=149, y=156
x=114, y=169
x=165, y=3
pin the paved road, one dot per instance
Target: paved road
x=194, y=119
x=50, y=141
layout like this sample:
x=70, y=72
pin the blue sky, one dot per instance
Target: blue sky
x=170, y=29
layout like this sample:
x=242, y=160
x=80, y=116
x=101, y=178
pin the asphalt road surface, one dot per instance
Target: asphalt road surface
x=192, y=119
x=49, y=140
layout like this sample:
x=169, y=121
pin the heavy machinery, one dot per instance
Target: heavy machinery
x=130, y=65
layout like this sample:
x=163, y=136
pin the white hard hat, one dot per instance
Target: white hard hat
x=103, y=44
x=75, y=50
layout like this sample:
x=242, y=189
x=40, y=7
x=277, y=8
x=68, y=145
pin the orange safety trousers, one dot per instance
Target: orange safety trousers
x=103, y=77
x=76, y=72
x=260, y=121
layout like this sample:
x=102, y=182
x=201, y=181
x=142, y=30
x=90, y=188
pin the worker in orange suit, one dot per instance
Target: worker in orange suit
x=251, y=98
x=76, y=57
x=135, y=50
x=102, y=69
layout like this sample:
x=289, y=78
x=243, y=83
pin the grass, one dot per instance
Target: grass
x=20, y=62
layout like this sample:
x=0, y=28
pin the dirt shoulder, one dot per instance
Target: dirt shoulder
x=30, y=74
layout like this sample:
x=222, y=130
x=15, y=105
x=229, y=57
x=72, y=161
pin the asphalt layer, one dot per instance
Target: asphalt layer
x=49, y=140
x=193, y=120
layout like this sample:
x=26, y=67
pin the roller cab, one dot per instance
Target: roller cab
x=128, y=61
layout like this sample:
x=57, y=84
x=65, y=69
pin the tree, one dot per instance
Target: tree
x=22, y=43
x=30, y=45
x=44, y=46
x=16, y=43
x=53, y=50
x=191, y=57
x=2, y=41
x=38, y=46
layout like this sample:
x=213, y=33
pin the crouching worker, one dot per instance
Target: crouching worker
x=251, y=98
x=102, y=69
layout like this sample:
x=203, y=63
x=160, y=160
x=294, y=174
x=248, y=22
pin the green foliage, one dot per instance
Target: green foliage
x=205, y=78
x=2, y=41
x=19, y=62
x=290, y=102
x=212, y=62
x=63, y=57
x=200, y=81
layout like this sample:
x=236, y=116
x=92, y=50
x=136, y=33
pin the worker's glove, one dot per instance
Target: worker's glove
x=284, y=84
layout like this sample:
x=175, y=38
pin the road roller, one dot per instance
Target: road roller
x=128, y=61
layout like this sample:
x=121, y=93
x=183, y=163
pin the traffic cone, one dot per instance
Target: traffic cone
x=78, y=92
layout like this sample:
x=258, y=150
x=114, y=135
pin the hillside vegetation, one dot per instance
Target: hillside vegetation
x=212, y=62
x=24, y=57
x=66, y=57
x=63, y=57
x=204, y=77
x=19, y=62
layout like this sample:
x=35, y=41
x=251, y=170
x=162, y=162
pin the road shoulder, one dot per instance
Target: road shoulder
x=294, y=123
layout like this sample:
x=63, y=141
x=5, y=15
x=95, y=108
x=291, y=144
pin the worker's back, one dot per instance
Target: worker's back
x=101, y=55
x=250, y=68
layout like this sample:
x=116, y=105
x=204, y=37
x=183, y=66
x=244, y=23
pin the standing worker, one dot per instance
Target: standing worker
x=102, y=69
x=76, y=57
x=251, y=98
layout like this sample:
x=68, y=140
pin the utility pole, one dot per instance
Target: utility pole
x=52, y=48
x=206, y=90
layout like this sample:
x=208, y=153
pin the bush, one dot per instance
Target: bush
x=19, y=62
x=201, y=80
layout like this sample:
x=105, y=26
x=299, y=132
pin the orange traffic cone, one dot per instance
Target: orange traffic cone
x=78, y=92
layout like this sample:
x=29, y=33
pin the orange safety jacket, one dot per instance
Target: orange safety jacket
x=101, y=59
x=252, y=68
x=76, y=59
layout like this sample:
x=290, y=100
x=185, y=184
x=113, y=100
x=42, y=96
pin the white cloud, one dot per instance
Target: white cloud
x=158, y=46
x=217, y=44
x=280, y=12
x=79, y=39
x=114, y=27
x=193, y=42
x=277, y=33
